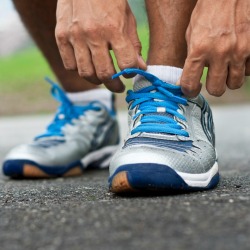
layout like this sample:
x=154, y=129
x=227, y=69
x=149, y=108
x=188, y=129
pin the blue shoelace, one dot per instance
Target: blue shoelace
x=66, y=112
x=158, y=104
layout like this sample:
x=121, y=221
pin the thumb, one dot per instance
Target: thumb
x=190, y=79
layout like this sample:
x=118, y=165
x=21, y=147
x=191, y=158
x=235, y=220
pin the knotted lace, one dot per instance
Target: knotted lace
x=158, y=105
x=66, y=113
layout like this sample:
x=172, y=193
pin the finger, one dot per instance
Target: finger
x=65, y=49
x=84, y=63
x=105, y=69
x=236, y=76
x=217, y=78
x=63, y=18
x=125, y=53
x=191, y=76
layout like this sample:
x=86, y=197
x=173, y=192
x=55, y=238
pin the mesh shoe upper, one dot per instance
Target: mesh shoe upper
x=74, y=132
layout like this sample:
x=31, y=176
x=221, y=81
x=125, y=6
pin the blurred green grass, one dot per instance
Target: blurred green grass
x=23, y=88
x=21, y=70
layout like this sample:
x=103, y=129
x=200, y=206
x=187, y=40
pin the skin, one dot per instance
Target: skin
x=218, y=36
x=168, y=45
x=39, y=18
x=87, y=30
x=85, y=33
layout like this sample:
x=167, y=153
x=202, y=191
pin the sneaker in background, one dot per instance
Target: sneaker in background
x=79, y=137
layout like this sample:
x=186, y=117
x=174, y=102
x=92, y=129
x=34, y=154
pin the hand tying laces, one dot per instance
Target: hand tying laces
x=158, y=105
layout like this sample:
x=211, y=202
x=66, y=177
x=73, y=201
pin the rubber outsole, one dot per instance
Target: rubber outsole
x=141, y=178
x=29, y=169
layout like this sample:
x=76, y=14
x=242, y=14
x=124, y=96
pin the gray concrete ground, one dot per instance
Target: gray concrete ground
x=80, y=213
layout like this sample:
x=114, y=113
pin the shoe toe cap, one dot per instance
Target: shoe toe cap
x=179, y=161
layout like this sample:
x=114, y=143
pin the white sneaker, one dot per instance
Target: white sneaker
x=79, y=137
x=171, y=142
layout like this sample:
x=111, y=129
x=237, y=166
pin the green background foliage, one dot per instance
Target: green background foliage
x=23, y=90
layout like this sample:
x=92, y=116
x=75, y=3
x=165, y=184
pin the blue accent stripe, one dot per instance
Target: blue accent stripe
x=181, y=146
x=208, y=126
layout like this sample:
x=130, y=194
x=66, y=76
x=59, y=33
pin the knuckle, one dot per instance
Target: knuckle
x=225, y=48
x=74, y=30
x=129, y=63
x=104, y=75
x=61, y=35
x=90, y=28
x=199, y=47
x=70, y=67
x=86, y=73
x=222, y=51
x=137, y=45
x=69, y=64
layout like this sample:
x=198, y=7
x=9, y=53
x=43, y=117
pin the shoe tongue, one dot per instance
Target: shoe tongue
x=140, y=82
x=167, y=74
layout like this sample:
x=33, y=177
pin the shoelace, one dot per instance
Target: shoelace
x=66, y=113
x=153, y=101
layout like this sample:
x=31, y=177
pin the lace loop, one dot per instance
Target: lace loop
x=66, y=112
x=157, y=104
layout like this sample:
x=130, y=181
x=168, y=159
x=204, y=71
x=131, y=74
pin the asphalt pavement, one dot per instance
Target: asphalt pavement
x=80, y=213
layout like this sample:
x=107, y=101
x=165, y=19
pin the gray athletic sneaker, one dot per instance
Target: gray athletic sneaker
x=171, y=142
x=79, y=137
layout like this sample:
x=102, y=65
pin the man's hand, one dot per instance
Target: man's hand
x=87, y=30
x=218, y=36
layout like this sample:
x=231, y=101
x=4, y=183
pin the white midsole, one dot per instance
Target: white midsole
x=199, y=180
x=98, y=154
